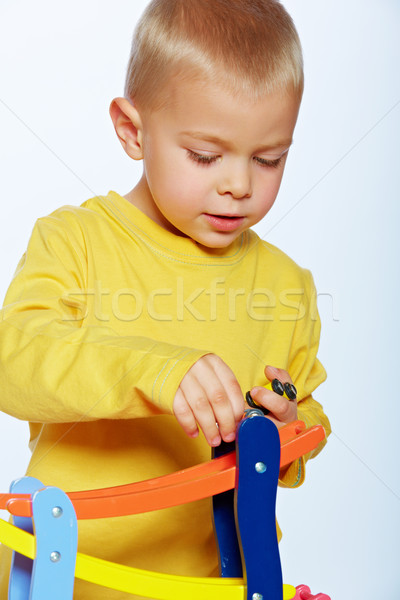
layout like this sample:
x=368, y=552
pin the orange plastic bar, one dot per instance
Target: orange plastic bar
x=286, y=433
x=291, y=430
x=301, y=444
x=203, y=470
x=191, y=484
x=132, y=503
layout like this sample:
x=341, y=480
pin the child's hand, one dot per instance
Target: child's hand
x=209, y=397
x=282, y=410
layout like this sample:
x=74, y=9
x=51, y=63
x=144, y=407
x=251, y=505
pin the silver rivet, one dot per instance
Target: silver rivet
x=257, y=597
x=260, y=467
x=57, y=511
x=55, y=557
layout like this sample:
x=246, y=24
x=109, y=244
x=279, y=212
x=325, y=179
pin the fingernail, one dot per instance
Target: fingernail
x=273, y=369
x=254, y=391
x=216, y=441
x=230, y=437
x=194, y=434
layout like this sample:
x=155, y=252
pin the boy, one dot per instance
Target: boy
x=135, y=324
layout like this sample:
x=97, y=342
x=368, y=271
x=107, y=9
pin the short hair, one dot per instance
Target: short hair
x=249, y=46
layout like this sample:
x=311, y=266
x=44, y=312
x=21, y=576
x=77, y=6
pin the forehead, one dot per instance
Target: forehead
x=209, y=112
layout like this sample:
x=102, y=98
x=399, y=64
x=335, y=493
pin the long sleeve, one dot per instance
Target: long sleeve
x=106, y=313
x=56, y=368
x=307, y=373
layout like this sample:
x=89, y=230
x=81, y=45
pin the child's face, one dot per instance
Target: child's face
x=213, y=162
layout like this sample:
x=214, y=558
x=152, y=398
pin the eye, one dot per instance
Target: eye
x=269, y=163
x=203, y=159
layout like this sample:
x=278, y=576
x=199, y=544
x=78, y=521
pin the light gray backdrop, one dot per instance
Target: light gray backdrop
x=337, y=214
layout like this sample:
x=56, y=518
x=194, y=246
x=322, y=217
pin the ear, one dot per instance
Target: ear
x=128, y=127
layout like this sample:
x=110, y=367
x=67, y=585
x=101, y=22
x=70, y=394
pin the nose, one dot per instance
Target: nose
x=236, y=180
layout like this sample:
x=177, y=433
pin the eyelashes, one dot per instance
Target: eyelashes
x=268, y=163
x=206, y=160
x=203, y=159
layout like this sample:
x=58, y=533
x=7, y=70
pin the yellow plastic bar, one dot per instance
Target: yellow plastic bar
x=157, y=585
x=138, y=581
x=17, y=539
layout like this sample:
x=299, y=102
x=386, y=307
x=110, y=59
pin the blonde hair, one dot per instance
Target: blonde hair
x=248, y=46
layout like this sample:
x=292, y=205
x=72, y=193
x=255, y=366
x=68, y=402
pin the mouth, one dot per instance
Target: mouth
x=224, y=222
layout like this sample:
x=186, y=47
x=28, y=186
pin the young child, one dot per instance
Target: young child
x=135, y=324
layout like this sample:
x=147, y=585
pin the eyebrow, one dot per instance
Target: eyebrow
x=204, y=137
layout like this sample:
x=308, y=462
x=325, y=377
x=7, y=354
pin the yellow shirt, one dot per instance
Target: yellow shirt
x=106, y=313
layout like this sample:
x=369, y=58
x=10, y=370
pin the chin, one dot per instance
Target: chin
x=219, y=242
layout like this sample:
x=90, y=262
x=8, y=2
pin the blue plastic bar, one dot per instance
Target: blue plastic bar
x=56, y=545
x=230, y=561
x=258, y=459
x=21, y=566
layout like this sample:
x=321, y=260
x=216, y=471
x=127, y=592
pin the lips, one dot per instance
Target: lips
x=224, y=222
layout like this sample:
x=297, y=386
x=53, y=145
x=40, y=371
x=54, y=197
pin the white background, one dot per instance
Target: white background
x=337, y=214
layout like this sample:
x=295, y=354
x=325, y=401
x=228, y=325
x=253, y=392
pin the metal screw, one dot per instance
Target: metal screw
x=260, y=467
x=257, y=596
x=57, y=511
x=253, y=412
x=55, y=557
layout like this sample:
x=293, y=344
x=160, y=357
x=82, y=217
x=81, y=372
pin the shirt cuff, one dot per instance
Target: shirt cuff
x=293, y=475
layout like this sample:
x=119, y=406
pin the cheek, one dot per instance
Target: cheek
x=163, y=177
x=274, y=189
x=268, y=192
x=185, y=186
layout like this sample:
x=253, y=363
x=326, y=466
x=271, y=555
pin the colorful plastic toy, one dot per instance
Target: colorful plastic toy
x=45, y=564
x=303, y=593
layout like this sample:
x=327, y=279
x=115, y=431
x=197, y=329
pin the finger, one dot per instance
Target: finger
x=282, y=408
x=197, y=399
x=184, y=415
x=275, y=373
x=222, y=408
x=283, y=379
x=276, y=422
x=219, y=413
x=232, y=388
